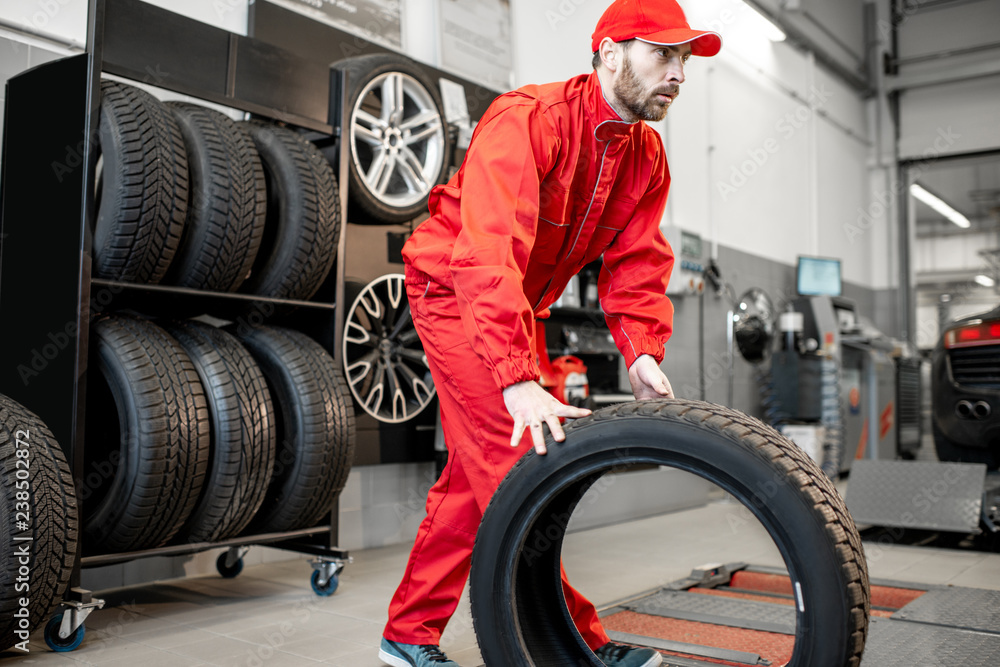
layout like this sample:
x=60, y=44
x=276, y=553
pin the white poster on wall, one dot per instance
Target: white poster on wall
x=475, y=40
x=376, y=20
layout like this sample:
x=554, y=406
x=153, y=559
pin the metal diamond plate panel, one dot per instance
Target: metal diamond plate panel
x=957, y=607
x=916, y=494
x=894, y=643
x=732, y=612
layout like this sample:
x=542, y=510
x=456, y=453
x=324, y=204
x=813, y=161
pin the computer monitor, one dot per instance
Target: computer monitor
x=819, y=276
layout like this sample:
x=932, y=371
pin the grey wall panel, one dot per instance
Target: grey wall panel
x=743, y=271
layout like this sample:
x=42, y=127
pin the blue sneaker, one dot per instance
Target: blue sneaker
x=413, y=655
x=620, y=655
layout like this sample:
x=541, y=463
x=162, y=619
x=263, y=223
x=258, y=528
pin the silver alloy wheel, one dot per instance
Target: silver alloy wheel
x=384, y=360
x=398, y=140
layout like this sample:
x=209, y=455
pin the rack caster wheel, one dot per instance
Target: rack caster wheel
x=326, y=574
x=325, y=590
x=62, y=644
x=227, y=570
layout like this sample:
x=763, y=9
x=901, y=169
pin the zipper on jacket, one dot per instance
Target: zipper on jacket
x=597, y=184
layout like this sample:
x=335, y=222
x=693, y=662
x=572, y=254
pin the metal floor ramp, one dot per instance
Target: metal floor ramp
x=750, y=622
x=917, y=494
x=893, y=643
x=911, y=626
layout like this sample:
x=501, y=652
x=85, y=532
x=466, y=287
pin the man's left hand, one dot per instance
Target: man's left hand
x=648, y=381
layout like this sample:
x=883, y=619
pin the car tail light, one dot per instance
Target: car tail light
x=971, y=335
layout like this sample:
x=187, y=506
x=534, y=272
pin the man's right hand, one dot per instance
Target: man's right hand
x=530, y=405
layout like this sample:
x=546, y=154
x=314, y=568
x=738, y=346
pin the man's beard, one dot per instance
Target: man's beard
x=642, y=104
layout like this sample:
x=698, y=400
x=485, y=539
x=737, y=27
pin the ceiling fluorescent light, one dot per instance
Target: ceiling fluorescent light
x=764, y=25
x=984, y=280
x=940, y=206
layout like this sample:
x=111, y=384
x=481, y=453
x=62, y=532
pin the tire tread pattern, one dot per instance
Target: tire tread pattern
x=310, y=470
x=228, y=205
x=171, y=457
x=303, y=215
x=54, y=525
x=144, y=201
x=243, y=438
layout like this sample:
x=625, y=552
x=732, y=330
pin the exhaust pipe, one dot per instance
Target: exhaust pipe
x=963, y=409
x=982, y=410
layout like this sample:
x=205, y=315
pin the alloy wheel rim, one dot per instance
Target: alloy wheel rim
x=384, y=361
x=398, y=139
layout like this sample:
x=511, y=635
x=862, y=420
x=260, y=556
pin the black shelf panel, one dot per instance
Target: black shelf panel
x=152, y=45
x=184, y=301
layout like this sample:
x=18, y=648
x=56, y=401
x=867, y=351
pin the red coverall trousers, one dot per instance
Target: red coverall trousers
x=477, y=430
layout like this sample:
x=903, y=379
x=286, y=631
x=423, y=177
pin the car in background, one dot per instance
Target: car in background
x=965, y=390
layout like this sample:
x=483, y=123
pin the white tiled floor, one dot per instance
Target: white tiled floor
x=268, y=616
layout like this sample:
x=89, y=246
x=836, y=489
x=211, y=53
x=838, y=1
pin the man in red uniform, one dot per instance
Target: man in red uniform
x=556, y=176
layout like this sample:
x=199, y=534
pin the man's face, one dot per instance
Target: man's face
x=649, y=79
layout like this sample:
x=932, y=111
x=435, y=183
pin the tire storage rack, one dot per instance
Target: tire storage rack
x=66, y=329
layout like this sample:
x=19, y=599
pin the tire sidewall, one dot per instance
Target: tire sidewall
x=107, y=510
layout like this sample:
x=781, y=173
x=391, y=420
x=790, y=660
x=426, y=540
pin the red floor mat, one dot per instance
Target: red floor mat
x=881, y=596
x=893, y=598
x=759, y=581
x=771, y=646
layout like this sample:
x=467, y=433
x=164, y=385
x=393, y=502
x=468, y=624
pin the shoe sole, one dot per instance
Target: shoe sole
x=398, y=662
x=655, y=661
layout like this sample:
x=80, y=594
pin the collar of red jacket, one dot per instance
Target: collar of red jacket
x=608, y=125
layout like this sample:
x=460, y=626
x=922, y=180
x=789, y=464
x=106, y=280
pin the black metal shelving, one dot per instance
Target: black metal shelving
x=47, y=294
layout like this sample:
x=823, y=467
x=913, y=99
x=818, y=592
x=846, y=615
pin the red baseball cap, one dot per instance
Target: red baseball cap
x=656, y=22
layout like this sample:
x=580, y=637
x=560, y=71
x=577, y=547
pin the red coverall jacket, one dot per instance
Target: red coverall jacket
x=553, y=179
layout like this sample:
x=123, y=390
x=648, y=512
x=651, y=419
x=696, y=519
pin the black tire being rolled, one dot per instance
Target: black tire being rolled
x=517, y=600
x=315, y=428
x=399, y=152
x=242, y=427
x=39, y=528
x=147, y=436
x=228, y=204
x=142, y=194
x=303, y=215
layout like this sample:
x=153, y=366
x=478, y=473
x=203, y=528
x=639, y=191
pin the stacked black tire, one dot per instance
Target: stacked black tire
x=38, y=530
x=185, y=422
x=188, y=197
x=195, y=433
